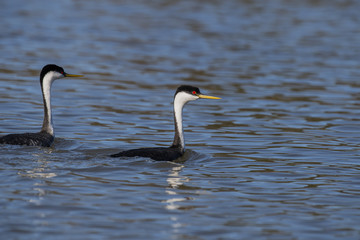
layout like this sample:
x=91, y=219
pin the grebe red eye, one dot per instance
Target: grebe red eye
x=194, y=92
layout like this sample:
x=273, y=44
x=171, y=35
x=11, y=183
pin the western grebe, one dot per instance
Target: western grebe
x=183, y=95
x=46, y=136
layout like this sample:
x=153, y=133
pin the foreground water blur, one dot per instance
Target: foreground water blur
x=276, y=158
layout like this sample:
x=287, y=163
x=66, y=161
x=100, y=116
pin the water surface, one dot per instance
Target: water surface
x=276, y=158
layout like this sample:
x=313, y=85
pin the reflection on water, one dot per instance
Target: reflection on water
x=175, y=180
x=276, y=158
x=42, y=169
x=38, y=173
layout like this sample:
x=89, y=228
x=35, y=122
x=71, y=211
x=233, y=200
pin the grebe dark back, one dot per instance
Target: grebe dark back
x=183, y=95
x=46, y=135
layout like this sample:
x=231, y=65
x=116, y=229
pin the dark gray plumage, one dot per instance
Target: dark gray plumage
x=46, y=136
x=183, y=95
x=157, y=153
x=42, y=139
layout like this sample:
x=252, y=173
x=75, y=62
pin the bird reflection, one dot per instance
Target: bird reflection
x=41, y=170
x=175, y=181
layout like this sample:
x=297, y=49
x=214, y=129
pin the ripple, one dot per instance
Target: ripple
x=277, y=155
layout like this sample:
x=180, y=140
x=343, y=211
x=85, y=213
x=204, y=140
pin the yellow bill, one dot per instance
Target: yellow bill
x=73, y=75
x=206, y=96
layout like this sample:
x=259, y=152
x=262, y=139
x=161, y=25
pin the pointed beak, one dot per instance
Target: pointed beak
x=72, y=75
x=206, y=96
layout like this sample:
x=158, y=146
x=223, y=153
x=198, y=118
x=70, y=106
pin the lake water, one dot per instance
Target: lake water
x=277, y=157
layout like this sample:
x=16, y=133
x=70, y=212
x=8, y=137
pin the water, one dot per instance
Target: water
x=276, y=158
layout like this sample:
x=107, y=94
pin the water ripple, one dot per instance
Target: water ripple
x=275, y=158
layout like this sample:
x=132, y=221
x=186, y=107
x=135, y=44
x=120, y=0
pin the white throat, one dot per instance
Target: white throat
x=48, y=79
x=180, y=100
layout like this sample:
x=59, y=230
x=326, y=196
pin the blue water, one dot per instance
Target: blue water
x=276, y=158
